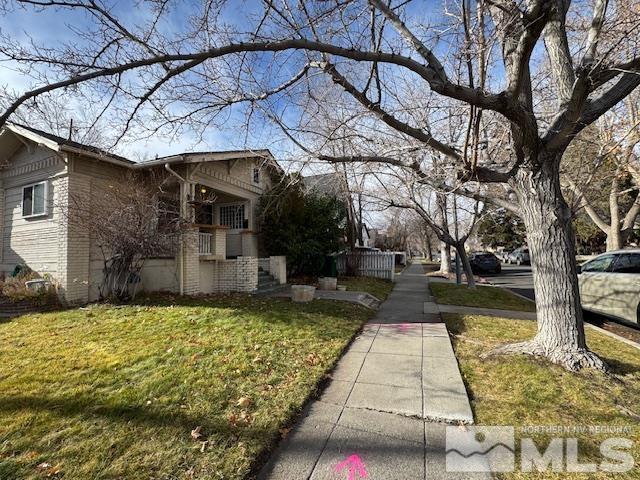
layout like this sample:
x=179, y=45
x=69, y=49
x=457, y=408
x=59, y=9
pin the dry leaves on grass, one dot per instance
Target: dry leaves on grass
x=49, y=470
x=241, y=419
x=312, y=359
x=196, y=433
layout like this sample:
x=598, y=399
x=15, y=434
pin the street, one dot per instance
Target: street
x=519, y=279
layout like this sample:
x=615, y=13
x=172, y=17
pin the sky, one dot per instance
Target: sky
x=23, y=24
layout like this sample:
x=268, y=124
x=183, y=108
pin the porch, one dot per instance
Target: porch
x=225, y=222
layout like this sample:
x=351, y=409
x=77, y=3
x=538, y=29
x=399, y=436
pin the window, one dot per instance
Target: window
x=34, y=200
x=600, y=264
x=232, y=216
x=627, y=263
x=256, y=175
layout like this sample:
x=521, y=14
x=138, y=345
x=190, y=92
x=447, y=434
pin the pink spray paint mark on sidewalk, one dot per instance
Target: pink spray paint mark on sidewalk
x=403, y=327
x=354, y=466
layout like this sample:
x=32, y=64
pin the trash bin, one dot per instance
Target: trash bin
x=330, y=268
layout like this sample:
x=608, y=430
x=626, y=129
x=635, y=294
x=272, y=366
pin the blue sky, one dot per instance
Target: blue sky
x=54, y=29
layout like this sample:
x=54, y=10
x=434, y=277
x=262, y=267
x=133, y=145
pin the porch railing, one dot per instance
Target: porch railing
x=205, y=241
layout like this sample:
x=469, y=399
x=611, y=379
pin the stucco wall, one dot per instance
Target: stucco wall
x=159, y=275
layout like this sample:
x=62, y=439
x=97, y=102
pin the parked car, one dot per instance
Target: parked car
x=520, y=256
x=610, y=285
x=484, y=262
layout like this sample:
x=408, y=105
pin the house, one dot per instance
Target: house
x=40, y=172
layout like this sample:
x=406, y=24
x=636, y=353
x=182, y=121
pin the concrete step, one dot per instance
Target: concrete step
x=268, y=290
x=268, y=284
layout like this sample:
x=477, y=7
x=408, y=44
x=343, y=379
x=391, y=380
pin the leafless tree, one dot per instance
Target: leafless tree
x=291, y=57
x=601, y=172
x=129, y=221
x=399, y=188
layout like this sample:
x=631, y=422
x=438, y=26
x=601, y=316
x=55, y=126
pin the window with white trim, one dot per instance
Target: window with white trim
x=232, y=216
x=34, y=200
x=256, y=175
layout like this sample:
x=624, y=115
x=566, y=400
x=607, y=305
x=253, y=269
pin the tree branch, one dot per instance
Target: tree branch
x=386, y=117
x=473, y=96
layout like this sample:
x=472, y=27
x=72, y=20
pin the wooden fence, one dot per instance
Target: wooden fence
x=367, y=264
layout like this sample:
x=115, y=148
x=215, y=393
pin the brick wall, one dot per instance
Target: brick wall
x=73, y=242
x=191, y=263
x=247, y=274
x=239, y=275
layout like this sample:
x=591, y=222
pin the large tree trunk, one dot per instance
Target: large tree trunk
x=466, y=266
x=560, y=336
x=445, y=258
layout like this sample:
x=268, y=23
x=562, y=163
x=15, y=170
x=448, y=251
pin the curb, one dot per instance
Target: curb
x=631, y=343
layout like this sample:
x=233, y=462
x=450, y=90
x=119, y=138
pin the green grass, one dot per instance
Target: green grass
x=116, y=391
x=375, y=286
x=524, y=391
x=482, y=296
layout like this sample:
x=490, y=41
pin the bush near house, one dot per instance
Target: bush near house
x=305, y=227
x=13, y=290
x=169, y=388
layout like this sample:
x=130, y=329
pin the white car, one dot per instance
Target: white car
x=610, y=285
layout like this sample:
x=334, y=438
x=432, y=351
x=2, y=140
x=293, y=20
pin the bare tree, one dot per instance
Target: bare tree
x=522, y=119
x=601, y=172
x=399, y=188
x=129, y=221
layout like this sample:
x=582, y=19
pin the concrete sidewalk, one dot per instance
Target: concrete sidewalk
x=388, y=393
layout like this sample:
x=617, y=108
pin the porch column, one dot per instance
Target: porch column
x=190, y=262
x=249, y=243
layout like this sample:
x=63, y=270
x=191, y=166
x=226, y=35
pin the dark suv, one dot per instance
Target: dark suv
x=484, y=262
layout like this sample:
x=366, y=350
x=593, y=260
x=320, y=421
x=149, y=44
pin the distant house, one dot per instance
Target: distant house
x=330, y=184
x=39, y=172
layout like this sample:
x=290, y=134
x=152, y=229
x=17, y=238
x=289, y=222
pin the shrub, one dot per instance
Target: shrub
x=305, y=227
x=14, y=289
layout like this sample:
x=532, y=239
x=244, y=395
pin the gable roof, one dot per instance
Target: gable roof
x=58, y=144
x=211, y=156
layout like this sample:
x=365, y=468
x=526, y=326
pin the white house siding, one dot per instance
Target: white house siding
x=96, y=175
x=30, y=241
x=236, y=179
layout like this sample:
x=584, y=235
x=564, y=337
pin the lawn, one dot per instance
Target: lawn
x=172, y=389
x=481, y=296
x=523, y=391
x=375, y=286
